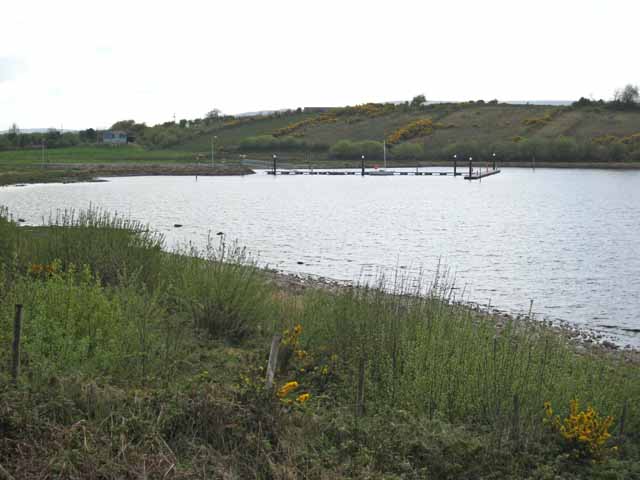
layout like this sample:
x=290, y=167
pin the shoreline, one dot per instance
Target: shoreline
x=582, y=339
x=87, y=172
x=580, y=335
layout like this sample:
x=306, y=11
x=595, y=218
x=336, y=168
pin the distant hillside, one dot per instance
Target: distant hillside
x=595, y=132
x=585, y=131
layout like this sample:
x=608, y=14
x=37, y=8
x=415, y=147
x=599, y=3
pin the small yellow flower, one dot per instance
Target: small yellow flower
x=303, y=398
x=287, y=388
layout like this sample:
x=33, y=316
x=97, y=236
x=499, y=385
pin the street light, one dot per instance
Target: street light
x=494, y=160
x=362, y=166
x=275, y=157
x=212, y=161
x=455, y=164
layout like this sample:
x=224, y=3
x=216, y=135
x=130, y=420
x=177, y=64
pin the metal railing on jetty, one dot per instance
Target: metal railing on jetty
x=473, y=174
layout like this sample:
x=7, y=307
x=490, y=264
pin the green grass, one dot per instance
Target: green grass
x=139, y=362
x=92, y=154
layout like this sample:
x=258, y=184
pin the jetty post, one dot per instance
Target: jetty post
x=455, y=164
x=362, y=166
x=275, y=158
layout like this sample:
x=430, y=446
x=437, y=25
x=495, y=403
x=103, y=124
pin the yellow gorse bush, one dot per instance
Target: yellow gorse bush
x=583, y=430
x=366, y=110
x=417, y=128
x=47, y=269
x=611, y=139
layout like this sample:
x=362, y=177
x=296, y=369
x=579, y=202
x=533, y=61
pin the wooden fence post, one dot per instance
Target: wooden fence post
x=360, y=393
x=15, y=359
x=273, y=360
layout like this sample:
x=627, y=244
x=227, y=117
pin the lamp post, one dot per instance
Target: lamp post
x=471, y=167
x=494, y=160
x=455, y=164
x=362, y=165
x=212, y=145
x=275, y=158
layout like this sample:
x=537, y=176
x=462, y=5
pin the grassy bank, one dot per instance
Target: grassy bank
x=92, y=154
x=137, y=363
x=88, y=171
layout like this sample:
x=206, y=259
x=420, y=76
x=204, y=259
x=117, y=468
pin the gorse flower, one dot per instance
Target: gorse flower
x=303, y=397
x=46, y=269
x=287, y=388
x=584, y=431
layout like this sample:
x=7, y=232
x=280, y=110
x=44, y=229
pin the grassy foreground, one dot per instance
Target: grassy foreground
x=137, y=363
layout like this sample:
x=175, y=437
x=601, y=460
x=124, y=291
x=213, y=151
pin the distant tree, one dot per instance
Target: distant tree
x=628, y=95
x=88, y=136
x=212, y=116
x=583, y=102
x=14, y=133
x=408, y=151
x=130, y=127
x=418, y=101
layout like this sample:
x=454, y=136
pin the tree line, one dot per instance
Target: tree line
x=560, y=149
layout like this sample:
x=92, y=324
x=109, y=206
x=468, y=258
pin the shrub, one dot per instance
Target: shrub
x=583, y=432
x=346, y=149
x=408, y=151
x=222, y=290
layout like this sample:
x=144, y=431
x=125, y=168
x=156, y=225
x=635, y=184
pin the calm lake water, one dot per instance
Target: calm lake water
x=568, y=239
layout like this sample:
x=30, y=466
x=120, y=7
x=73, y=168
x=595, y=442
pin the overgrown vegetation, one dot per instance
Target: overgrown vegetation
x=137, y=362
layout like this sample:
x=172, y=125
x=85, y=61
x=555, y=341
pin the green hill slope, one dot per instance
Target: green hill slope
x=516, y=132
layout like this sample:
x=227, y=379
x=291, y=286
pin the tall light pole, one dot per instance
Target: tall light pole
x=275, y=158
x=494, y=160
x=455, y=164
x=212, y=160
x=362, y=165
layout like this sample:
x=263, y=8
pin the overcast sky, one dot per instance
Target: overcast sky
x=81, y=64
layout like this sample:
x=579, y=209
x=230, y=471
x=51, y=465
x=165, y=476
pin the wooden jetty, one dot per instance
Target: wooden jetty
x=480, y=174
x=473, y=174
x=372, y=173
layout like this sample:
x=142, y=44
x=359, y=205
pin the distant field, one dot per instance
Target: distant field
x=93, y=154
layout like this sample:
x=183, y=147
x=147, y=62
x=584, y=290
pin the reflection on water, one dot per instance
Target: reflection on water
x=566, y=238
